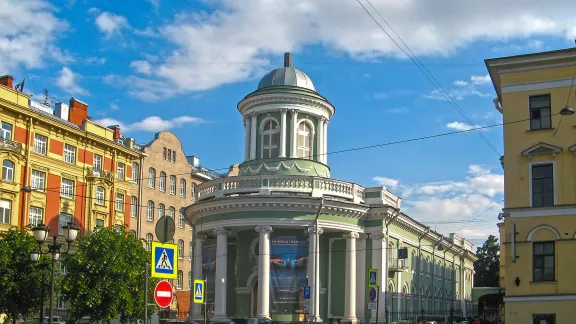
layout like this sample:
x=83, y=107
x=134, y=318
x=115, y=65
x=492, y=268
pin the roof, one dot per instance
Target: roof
x=287, y=76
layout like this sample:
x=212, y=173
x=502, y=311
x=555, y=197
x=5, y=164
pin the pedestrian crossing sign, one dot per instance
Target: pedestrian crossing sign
x=199, y=291
x=164, y=260
x=372, y=278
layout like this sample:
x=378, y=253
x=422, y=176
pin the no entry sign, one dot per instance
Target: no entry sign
x=163, y=294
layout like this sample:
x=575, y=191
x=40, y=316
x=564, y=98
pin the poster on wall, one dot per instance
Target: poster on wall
x=288, y=265
x=209, y=273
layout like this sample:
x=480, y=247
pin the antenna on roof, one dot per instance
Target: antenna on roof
x=20, y=86
x=46, y=97
x=287, y=59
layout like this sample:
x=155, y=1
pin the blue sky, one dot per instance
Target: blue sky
x=182, y=66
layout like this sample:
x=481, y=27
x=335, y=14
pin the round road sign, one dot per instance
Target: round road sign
x=163, y=294
x=165, y=228
x=373, y=295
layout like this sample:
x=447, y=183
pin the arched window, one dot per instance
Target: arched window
x=171, y=211
x=8, y=170
x=180, y=249
x=161, y=210
x=135, y=172
x=304, y=141
x=172, y=185
x=148, y=241
x=270, y=133
x=151, y=178
x=162, y=181
x=133, y=206
x=182, y=188
x=100, y=194
x=150, y=211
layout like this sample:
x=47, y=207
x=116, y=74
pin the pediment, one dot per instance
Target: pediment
x=542, y=149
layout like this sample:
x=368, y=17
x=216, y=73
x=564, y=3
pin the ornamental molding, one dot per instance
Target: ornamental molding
x=264, y=229
x=531, y=68
x=221, y=231
x=312, y=230
x=351, y=235
x=296, y=99
x=270, y=167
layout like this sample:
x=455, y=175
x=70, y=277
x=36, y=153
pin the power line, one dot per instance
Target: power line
x=482, y=213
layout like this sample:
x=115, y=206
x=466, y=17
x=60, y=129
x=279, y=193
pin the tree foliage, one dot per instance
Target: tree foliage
x=106, y=276
x=487, y=267
x=20, y=278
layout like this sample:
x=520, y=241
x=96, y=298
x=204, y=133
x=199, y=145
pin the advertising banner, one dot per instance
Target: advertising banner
x=288, y=265
x=209, y=272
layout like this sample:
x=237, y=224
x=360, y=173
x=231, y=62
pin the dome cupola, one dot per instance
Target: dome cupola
x=287, y=76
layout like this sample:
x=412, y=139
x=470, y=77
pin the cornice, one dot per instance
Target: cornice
x=250, y=102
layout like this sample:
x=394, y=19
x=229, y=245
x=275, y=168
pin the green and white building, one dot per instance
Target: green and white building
x=255, y=237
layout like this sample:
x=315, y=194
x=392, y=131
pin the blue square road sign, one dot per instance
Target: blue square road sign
x=306, y=292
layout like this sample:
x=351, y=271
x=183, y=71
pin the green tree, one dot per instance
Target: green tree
x=20, y=278
x=106, y=276
x=487, y=267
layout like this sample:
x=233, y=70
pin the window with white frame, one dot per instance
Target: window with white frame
x=63, y=220
x=180, y=249
x=7, y=170
x=6, y=131
x=151, y=178
x=148, y=242
x=182, y=188
x=100, y=194
x=171, y=212
x=40, y=144
x=35, y=216
x=97, y=163
x=5, y=211
x=69, y=153
x=542, y=185
x=99, y=223
x=67, y=188
x=119, y=202
x=38, y=180
x=192, y=190
x=174, y=156
x=164, y=152
x=304, y=141
x=540, y=112
x=179, y=280
x=135, y=172
x=133, y=204
x=150, y=211
x=121, y=171
x=191, y=247
x=270, y=134
x=189, y=279
x=181, y=218
x=161, y=210
x=172, y=185
x=162, y=181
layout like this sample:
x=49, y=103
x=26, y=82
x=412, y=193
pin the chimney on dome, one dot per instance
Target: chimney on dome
x=7, y=80
x=78, y=112
x=287, y=59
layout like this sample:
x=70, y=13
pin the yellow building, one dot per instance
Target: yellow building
x=59, y=166
x=538, y=267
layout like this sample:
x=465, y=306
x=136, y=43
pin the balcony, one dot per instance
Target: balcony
x=103, y=174
x=266, y=185
x=397, y=265
x=205, y=173
x=8, y=145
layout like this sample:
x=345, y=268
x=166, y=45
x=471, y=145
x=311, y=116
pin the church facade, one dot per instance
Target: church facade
x=283, y=224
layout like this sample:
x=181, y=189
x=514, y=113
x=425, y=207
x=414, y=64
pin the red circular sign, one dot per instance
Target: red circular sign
x=163, y=294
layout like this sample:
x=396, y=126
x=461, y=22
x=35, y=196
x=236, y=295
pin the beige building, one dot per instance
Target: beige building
x=166, y=185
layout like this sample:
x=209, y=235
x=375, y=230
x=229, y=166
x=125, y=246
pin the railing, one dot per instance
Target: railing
x=6, y=144
x=278, y=184
x=107, y=175
x=209, y=173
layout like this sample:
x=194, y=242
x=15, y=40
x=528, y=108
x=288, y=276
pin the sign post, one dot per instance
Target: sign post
x=375, y=291
x=306, y=303
x=163, y=294
x=164, y=260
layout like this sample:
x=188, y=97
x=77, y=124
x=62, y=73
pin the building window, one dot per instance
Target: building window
x=121, y=171
x=69, y=153
x=172, y=185
x=133, y=204
x=97, y=163
x=542, y=185
x=67, y=188
x=181, y=218
x=148, y=241
x=192, y=190
x=35, y=216
x=150, y=211
x=182, y=188
x=6, y=131
x=391, y=254
x=161, y=210
x=171, y=212
x=270, y=133
x=5, y=211
x=543, y=263
x=40, y=144
x=100, y=195
x=8, y=170
x=544, y=318
x=180, y=249
x=162, y=181
x=174, y=156
x=164, y=153
x=191, y=247
x=540, y=117
x=63, y=220
x=304, y=141
x=135, y=172
x=118, y=228
x=189, y=279
x=99, y=223
x=133, y=233
x=179, y=280
x=119, y=202
x=38, y=180
x=151, y=178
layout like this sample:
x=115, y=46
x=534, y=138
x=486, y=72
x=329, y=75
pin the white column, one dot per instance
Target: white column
x=264, y=271
x=294, y=130
x=463, y=286
x=221, y=274
x=361, y=277
x=247, y=138
x=196, y=309
x=350, y=278
x=379, y=262
x=319, y=140
x=283, y=132
x=314, y=274
x=253, y=127
x=325, y=140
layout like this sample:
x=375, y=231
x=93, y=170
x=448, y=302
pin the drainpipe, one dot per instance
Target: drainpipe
x=387, y=223
x=27, y=173
x=444, y=273
x=140, y=202
x=426, y=231
x=316, y=261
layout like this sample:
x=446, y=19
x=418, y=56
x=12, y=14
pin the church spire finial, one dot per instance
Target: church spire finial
x=287, y=59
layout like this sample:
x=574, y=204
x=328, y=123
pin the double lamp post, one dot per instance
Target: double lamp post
x=54, y=250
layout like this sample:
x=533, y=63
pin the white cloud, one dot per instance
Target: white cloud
x=151, y=124
x=462, y=89
x=463, y=126
x=460, y=83
x=111, y=24
x=480, y=79
x=387, y=182
x=67, y=81
x=114, y=106
x=142, y=67
x=95, y=60
x=449, y=205
x=28, y=30
x=226, y=44
x=531, y=45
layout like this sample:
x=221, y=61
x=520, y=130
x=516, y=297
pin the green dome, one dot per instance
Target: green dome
x=287, y=76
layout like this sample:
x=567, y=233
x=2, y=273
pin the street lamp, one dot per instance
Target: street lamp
x=40, y=235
